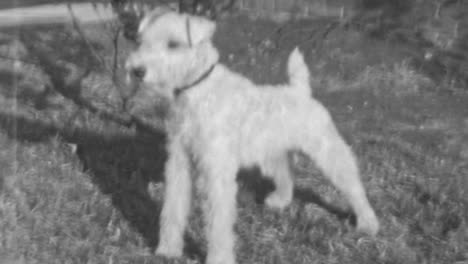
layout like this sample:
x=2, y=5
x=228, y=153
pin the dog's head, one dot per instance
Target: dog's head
x=173, y=51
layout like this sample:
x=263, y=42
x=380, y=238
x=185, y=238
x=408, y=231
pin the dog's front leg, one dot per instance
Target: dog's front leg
x=220, y=188
x=176, y=205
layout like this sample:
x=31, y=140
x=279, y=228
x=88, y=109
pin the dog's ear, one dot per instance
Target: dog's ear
x=199, y=29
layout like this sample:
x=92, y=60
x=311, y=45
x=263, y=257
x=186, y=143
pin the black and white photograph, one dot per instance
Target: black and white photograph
x=234, y=131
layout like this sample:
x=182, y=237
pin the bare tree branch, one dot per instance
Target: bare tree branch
x=115, y=57
x=67, y=80
x=78, y=29
x=5, y=57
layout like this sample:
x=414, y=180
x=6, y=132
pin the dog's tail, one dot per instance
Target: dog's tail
x=298, y=72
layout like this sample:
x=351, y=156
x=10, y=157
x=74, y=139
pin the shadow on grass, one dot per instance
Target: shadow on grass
x=255, y=182
x=12, y=87
x=120, y=165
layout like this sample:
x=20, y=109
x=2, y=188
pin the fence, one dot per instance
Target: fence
x=297, y=8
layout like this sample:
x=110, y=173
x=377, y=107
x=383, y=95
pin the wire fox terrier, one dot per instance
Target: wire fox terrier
x=219, y=121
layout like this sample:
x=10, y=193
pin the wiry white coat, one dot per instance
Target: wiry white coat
x=226, y=122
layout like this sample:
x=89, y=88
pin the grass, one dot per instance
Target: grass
x=76, y=188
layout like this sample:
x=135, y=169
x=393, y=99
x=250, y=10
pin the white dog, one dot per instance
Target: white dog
x=220, y=121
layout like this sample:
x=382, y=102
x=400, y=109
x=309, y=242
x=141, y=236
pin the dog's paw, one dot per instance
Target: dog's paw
x=168, y=251
x=277, y=202
x=368, y=224
x=218, y=258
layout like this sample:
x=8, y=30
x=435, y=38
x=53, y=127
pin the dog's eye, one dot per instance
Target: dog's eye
x=172, y=44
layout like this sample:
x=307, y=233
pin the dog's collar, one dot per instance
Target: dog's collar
x=187, y=29
x=178, y=91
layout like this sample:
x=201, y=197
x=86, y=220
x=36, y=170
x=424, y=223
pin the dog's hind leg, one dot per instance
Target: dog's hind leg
x=337, y=162
x=278, y=169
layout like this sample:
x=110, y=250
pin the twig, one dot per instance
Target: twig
x=17, y=59
x=227, y=6
x=277, y=30
x=331, y=26
x=70, y=87
x=115, y=41
x=86, y=41
x=216, y=11
x=113, y=72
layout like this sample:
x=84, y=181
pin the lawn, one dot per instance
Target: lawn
x=81, y=186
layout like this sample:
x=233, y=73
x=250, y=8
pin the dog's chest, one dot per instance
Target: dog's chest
x=184, y=122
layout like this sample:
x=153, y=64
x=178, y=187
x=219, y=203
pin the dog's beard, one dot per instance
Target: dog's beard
x=150, y=108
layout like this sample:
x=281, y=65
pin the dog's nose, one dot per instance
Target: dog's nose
x=138, y=72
